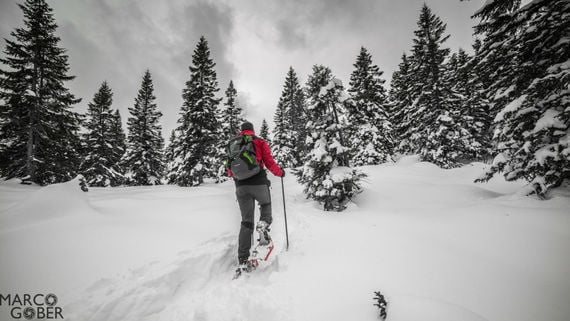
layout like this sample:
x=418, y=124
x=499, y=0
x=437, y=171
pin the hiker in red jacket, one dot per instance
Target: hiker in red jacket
x=255, y=188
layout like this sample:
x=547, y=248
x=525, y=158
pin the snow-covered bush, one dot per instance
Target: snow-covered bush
x=325, y=173
x=381, y=303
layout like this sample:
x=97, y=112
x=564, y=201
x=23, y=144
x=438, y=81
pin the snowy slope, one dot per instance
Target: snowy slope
x=438, y=246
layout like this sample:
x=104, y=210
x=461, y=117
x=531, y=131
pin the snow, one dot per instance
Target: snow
x=437, y=245
x=548, y=151
x=550, y=119
x=501, y=94
x=341, y=173
x=444, y=118
x=486, y=4
x=511, y=107
x=561, y=66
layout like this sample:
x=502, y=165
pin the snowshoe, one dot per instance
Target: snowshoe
x=244, y=268
x=260, y=253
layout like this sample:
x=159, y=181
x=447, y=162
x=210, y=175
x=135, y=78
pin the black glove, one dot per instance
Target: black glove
x=282, y=173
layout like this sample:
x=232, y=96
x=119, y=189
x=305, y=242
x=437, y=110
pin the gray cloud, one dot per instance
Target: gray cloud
x=252, y=42
x=291, y=35
x=117, y=40
x=299, y=23
x=10, y=18
x=213, y=21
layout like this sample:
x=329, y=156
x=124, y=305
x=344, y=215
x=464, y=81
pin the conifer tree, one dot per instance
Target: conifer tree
x=195, y=146
x=264, y=132
x=144, y=160
x=289, y=132
x=283, y=148
x=401, y=98
x=433, y=131
x=325, y=173
x=169, y=151
x=232, y=116
x=39, y=140
x=118, y=139
x=371, y=131
x=532, y=122
x=100, y=166
x=473, y=118
x=298, y=116
x=498, y=66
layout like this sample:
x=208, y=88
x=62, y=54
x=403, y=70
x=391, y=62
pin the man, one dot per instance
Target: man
x=255, y=188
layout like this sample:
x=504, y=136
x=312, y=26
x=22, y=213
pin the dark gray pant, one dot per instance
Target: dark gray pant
x=246, y=196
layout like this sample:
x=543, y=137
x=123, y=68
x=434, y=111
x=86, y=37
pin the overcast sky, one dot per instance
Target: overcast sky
x=252, y=42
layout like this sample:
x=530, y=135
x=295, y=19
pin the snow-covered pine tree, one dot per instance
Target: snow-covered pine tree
x=232, y=116
x=325, y=173
x=118, y=140
x=169, y=151
x=100, y=167
x=533, y=125
x=39, y=140
x=298, y=115
x=289, y=132
x=497, y=59
x=371, y=131
x=144, y=160
x=434, y=130
x=401, y=99
x=456, y=100
x=195, y=154
x=264, y=132
x=282, y=143
x=473, y=110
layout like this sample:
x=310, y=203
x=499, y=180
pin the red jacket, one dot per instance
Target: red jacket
x=263, y=155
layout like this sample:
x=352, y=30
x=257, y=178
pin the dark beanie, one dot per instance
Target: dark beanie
x=246, y=126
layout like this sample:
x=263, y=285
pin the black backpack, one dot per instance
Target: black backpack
x=242, y=160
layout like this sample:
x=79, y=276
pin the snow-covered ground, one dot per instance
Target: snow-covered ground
x=438, y=246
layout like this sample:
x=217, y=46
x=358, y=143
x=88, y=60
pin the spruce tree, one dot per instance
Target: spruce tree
x=498, y=61
x=371, y=131
x=100, y=167
x=433, y=131
x=473, y=117
x=532, y=123
x=289, y=132
x=169, y=151
x=118, y=140
x=264, y=132
x=325, y=173
x=144, y=160
x=283, y=148
x=232, y=116
x=195, y=146
x=39, y=140
x=401, y=98
x=298, y=116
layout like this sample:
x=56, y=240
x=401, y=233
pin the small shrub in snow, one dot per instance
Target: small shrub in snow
x=381, y=303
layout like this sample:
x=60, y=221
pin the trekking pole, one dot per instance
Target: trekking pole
x=285, y=214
